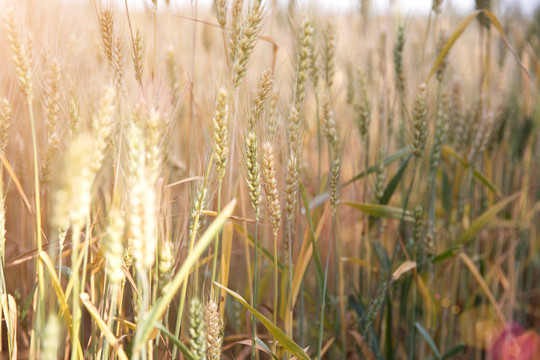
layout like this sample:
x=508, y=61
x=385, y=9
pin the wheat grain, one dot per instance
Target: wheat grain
x=197, y=329
x=329, y=53
x=419, y=122
x=114, y=248
x=106, y=30
x=329, y=123
x=220, y=7
x=398, y=61
x=141, y=200
x=138, y=56
x=362, y=106
x=221, y=133
x=102, y=124
x=271, y=186
x=250, y=30
x=21, y=55
x=166, y=266
x=214, y=330
x=335, y=174
x=304, y=62
x=253, y=175
x=5, y=119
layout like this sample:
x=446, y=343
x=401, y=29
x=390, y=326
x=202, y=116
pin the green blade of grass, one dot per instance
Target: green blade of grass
x=146, y=325
x=454, y=351
x=387, y=161
x=183, y=348
x=263, y=345
x=391, y=187
x=394, y=182
x=382, y=211
x=285, y=341
x=446, y=150
x=429, y=340
x=382, y=255
x=447, y=254
x=321, y=198
x=461, y=28
x=484, y=219
x=316, y=255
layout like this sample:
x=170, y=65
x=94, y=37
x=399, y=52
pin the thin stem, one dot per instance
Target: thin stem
x=76, y=311
x=155, y=38
x=85, y=261
x=255, y=291
x=426, y=36
x=276, y=285
x=289, y=285
x=41, y=283
x=323, y=294
x=216, y=243
x=113, y=291
x=191, y=244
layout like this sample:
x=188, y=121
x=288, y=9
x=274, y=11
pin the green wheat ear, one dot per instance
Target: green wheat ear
x=419, y=126
x=197, y=329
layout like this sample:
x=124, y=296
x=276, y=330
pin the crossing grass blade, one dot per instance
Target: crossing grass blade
x=429, y=340
x=484, y=219
x=382, y=211
x=459, y=31
x=147, y=324
x=283, y=340
x=316, y=254
x=183, y=348
x=64, y=307
x=94, y=312
x=446, y=150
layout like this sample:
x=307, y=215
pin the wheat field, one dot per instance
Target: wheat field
x=266, y=180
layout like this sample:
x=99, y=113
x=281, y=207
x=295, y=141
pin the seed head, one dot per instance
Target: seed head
x=21, y=54
x=166, y=266
x=250, y=30
x=329, y=124
x=114, y=249
x=142, y=200
x=198, y=204
x=329, y=53
x=335, y=173
x=220, y=7
x=304, y=61
x=5, y=118
x=214, y=330
x=197, y=330
x=102, y=124
x=221, y=133
x=253, y=175
x=138, y=56
x=106, y=29
x=441, y=129
x=362, y=105
x=398, y=60
x=260, y=97
x=419, y=122
x=270, y=186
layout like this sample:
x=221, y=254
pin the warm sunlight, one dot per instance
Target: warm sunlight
x=247, y=179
